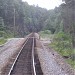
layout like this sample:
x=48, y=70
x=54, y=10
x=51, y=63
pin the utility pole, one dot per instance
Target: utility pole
x=14, y=22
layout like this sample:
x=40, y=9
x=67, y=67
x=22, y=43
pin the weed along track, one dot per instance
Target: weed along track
x=35, y=58
x=26, y=62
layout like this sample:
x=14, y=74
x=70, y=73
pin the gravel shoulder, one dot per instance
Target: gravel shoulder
x=51, y=62
x=8, y=50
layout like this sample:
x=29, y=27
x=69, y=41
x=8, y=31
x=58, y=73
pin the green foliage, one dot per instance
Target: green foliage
x=28, y=18
x=1, y=21
x=9, y=34
x=61, y=36
x=47, y=35
x=54, y=22
x=46, y=32
x=2, y=41
x=62, y=43
x=68, y=16
x=2, y=28
x=2, y=33
x=71, y=62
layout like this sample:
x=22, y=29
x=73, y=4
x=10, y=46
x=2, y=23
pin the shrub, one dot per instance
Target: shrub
x=2, y=33
x=61, y=36
x=62, y=42
x=46, y=32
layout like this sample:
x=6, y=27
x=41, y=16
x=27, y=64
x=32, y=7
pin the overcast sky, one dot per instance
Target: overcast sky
x=48, y=4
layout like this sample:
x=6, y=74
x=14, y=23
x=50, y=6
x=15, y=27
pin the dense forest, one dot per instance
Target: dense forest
x=18, y=18
x=68, y=15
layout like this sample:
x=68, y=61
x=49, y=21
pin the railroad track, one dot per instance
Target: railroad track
x=26, y=62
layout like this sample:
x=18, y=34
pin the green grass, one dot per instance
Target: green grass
x=66, y=53
x=63, y=50
x=71, y=62
x=2, y=41
x=44, y=35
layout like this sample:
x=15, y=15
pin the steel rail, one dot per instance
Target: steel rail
x=33, y=62
x=17, y=58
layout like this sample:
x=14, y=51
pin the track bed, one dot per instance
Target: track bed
x=26, y=61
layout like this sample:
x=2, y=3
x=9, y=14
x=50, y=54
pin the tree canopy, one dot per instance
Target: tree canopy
x=21, y=18
x=28, y=18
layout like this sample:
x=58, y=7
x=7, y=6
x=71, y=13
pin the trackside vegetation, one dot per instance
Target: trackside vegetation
x=62, y=43
x=2, y=41
x=18, y=18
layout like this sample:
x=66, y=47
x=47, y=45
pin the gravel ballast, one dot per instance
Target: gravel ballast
x=51, y=62
x=8, y=50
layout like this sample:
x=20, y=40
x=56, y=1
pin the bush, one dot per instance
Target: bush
x=61, y=36
x=46, y=32
x=2, y=33
x=62, y=43
x=2, y=41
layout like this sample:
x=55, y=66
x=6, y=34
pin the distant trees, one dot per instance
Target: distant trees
x=2, y=28
x=1, y=24
x=34, y=19
x=54, y=21
x=68, y=15
x=27, y=18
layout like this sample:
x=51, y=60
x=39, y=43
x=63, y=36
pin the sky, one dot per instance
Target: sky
x=48, y=4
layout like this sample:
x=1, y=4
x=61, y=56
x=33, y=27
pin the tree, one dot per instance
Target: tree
x=68, y=15
x=2, y=28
